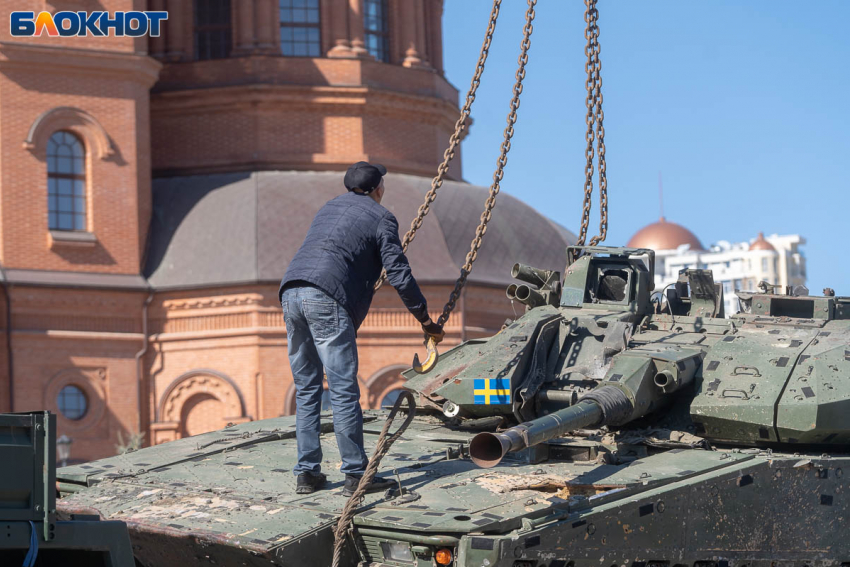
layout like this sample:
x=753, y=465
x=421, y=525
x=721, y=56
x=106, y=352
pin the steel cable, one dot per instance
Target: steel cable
x=381, y=448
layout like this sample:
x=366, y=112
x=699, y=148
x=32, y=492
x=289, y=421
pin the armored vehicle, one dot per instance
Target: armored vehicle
x=30, y=533
x=610, y=424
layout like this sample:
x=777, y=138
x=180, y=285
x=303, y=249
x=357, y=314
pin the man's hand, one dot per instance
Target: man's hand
x=434, y=330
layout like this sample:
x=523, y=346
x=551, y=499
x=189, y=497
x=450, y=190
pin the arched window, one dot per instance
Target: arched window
x=66, y=182
x=300, y=28
x=212, y=29
x=375, y=28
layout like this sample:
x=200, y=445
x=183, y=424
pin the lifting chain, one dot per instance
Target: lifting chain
x=454, y=141
x=595, y=128
x=500, y=167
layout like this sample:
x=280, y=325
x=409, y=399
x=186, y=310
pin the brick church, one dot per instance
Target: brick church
x=153, y=191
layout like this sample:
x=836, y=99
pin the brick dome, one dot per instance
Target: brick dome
x=761, y=244
x=664, y=235
x=238, y=228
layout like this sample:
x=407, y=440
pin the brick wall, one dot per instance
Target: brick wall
x=213, y=355
x=102, y=98
x=85, y=338
x=243, y=121
x=235, y=339
x=115, y=44
x=226, y=344
x=5, y=399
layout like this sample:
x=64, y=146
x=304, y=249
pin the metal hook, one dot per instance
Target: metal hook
x=430, y=359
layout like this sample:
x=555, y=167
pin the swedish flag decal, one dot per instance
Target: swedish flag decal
x=490, y=391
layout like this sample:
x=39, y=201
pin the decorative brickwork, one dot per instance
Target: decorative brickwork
x=91, y=381
x=199, y=401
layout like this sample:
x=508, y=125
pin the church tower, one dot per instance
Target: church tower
x=300, y=84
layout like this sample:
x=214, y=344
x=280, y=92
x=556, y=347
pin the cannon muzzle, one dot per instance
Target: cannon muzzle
x=526, y=295
x=547, y=282
x=488, y=449
x=534, y=276
x=531, y=297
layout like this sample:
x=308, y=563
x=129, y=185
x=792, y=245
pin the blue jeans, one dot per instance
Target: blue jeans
x=321, y=340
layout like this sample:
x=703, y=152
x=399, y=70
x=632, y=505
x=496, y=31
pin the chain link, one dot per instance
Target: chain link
x=455, y=138
x=500, y=167
x=595, y=128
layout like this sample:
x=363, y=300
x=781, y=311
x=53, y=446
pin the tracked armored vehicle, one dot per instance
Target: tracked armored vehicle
x=611, y=424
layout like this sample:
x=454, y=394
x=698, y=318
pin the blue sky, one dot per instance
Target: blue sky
x=743, y=106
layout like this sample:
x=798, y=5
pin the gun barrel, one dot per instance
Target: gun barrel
x=534, y=276
x=531, y=297
x=672, y=377
x=488, y=449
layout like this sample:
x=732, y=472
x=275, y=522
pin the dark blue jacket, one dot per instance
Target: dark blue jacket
x=350, y=239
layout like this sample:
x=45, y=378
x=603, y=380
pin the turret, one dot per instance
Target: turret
x=565, y=364
x=608, y=352
x=527, y=370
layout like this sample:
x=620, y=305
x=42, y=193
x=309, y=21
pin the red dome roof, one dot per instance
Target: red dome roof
x=761, y=244
x=664, y=235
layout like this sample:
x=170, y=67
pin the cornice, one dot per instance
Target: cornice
x=190, y=303
x=81, y=335
x=134, y=67
x=290, y=98
x=133, y=282
x=276, y=69
x=62, y=279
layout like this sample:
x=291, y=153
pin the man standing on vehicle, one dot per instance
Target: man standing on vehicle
x=325, y=295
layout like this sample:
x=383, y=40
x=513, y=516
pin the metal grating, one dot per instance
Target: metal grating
x=370, y=548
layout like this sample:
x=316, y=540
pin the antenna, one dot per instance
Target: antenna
x=660, y=196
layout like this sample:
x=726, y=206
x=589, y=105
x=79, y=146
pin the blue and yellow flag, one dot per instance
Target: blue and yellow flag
x=490, y=391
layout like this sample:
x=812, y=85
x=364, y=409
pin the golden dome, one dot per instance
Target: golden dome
x=664, y=235
x=761, y=244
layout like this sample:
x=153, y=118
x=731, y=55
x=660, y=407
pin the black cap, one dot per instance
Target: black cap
x=364, y=176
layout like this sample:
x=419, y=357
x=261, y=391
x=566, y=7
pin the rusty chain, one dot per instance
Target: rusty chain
x=454, y=140
x=595, y=128
x=500, y=167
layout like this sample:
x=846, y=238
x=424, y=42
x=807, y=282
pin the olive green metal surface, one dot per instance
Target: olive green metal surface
x=706, y=442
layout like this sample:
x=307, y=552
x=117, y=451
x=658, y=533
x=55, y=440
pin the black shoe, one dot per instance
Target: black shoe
x=378, y=484
x=308, y=483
